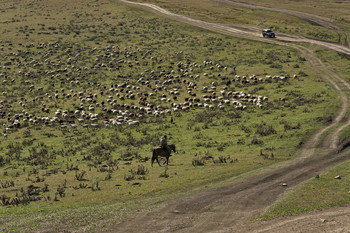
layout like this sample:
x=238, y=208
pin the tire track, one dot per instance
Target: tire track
x=313, y=19
x=238, y=31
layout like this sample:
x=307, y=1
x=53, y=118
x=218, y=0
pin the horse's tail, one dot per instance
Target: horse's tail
x=153, y=157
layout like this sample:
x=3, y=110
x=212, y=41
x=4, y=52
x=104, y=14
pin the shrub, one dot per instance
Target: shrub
x=264, y=130
x=165, y=173
x=288, y=126
x=222, y=146
x=40, y=155
x=245, y=128
x=130, y=177
x=7, y=184
x=27, y=133
x=28, y=142
x=80, y=175
x=141, y=170
x=129, y=154
x=5, y=200
x=101, y=149
x=302, y=74
x=108, y=176
x=257, y=141
x=224, y=159
x=2, y=161
x=96, y=186
x=205, y=116
x=61, y=191
x=139, y=173
x=198, y=162
x=221, y=159
x=241, y=141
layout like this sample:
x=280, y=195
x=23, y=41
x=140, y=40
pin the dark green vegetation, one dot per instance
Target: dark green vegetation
x=86, y=96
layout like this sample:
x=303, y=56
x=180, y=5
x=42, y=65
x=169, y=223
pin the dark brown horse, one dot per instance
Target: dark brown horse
x=159, y=151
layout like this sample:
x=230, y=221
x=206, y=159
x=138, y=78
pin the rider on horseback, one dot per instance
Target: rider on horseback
x=164, y=144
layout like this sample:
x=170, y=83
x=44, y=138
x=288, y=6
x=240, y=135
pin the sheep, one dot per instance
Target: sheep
x=153, y=84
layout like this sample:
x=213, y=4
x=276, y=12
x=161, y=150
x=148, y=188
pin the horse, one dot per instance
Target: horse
x=159, y=151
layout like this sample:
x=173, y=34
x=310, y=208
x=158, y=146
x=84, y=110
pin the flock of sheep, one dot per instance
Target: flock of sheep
x=69, y=85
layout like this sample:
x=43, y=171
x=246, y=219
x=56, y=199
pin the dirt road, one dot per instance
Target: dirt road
x=232, y=207
x=229, y=208
x=315, y=19
x=237, y=30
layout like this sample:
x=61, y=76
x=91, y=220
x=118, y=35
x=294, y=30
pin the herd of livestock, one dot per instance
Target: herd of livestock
x=69, y=85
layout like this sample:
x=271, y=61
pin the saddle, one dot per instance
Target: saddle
x=164, y=149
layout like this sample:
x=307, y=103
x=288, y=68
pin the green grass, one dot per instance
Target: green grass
x=212, y=11
x=338, y=61
x=198, y=133
x=345, y=134
x=317, y=193
x=326, y=191
x=335, y=10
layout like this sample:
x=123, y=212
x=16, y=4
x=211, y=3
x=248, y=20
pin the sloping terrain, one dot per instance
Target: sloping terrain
x=231, y=208
x=86, y=97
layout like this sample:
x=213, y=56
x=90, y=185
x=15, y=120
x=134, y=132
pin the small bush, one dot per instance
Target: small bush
x=7, y=184
x=302, y=74
x=96, y=186
x=139, y=173
x=221, y=159
x=222, y=146
x=264, y=130
x=224, y=159
x=257, y=141
x=129, y=155
x=2, y=161
x=141, y=170
x=288, y=126
x=241, y=141
x=80, y=175
x=245, y=128
x=165, y=173
x=198, y=162
x=61, y=191
x=205, y=116
x=108, y=176
x=130, y=177
x=27, y=133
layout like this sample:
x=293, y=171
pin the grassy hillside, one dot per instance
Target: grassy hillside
x=89, y=87
x=325, y=191
x=222, y=12
x=335, y=10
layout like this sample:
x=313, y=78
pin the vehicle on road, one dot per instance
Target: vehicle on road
x=268, y=33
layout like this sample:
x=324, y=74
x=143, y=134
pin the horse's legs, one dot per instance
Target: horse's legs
x=167, y=160
x=158, y=161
